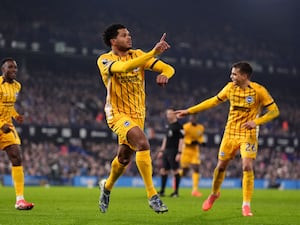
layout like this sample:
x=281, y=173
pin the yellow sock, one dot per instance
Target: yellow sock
x=195, y=178
x=219, y=176
x=18, y=178
x=144, y=164
x=248, y=185
x=117, y=169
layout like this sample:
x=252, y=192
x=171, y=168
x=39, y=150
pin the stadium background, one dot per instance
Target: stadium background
x=56, y=44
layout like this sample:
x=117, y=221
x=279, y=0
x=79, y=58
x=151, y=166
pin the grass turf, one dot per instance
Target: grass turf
x=79, y=206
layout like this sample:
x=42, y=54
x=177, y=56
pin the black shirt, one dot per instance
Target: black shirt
x=174, y=134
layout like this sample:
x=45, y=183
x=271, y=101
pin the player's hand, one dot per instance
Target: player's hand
x=181, y=113
x=249, y=125
x=162, y=80
x=19, y=118
x=177, y=157
x=160, y=154
x=162, y=45
x=195, y=143
x=6, y=128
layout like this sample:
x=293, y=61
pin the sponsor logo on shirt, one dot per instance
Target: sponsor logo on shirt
x=240, y=108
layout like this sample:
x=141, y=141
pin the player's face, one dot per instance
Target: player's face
x=193, y=119
x=9, y=70
x=171, y=116
x=123, y=41
x=237, y=77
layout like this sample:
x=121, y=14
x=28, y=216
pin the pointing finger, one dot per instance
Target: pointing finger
x=163, y=37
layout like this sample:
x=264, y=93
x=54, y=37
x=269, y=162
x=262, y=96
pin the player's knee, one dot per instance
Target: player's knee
x=142, y=144
x=247, y=168
x=221, y=168
x=16, y=162
x=222, y=165
x=125, y=155
x=124, y=160
x=196, y=168
x=14, y=155
x=247, y=164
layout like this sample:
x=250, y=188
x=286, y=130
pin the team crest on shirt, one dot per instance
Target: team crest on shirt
x=249, y=99
x=126, y=123
x=222, y=154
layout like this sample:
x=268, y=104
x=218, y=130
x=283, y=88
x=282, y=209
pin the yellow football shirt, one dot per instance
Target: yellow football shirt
x=8, y=96
x=193, y=133
x=126, y=90
x=245, y=105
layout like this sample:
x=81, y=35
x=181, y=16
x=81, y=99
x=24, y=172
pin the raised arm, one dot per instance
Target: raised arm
x=206, y=104
x=120, y=66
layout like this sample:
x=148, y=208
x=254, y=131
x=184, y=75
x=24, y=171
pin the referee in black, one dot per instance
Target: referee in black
x=170, y=152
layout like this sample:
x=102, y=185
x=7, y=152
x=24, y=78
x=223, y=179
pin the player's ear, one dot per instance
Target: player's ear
x=112, y=41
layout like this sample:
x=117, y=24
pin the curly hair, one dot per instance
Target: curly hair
x=111, y=32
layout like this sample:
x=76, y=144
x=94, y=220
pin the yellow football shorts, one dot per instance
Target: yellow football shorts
x=189, y=155
x=10, y=138
x=121, y=124
x=229, y=147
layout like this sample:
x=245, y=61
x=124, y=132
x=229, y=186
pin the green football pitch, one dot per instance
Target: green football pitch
x=79, y=206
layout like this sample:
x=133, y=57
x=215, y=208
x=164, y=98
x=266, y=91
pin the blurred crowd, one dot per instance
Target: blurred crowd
x=78, y=25
x=75, y=98
x=60, y=163
x=66, y=90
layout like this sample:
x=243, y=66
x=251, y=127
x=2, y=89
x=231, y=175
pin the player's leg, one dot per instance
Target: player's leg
x=185, y=162
x=227, y=151
x=248, y=153
x=164, y=179
x=195, y=166
x=137, y=138
x=218, y=178
x=183, y=169
x=14, y=155
x=219, y=175
x=247, y=186
x=120, y=126
x=176, y=184
x=166, y=166
x=195, y=180
x=118, y=167
x=175, y=166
